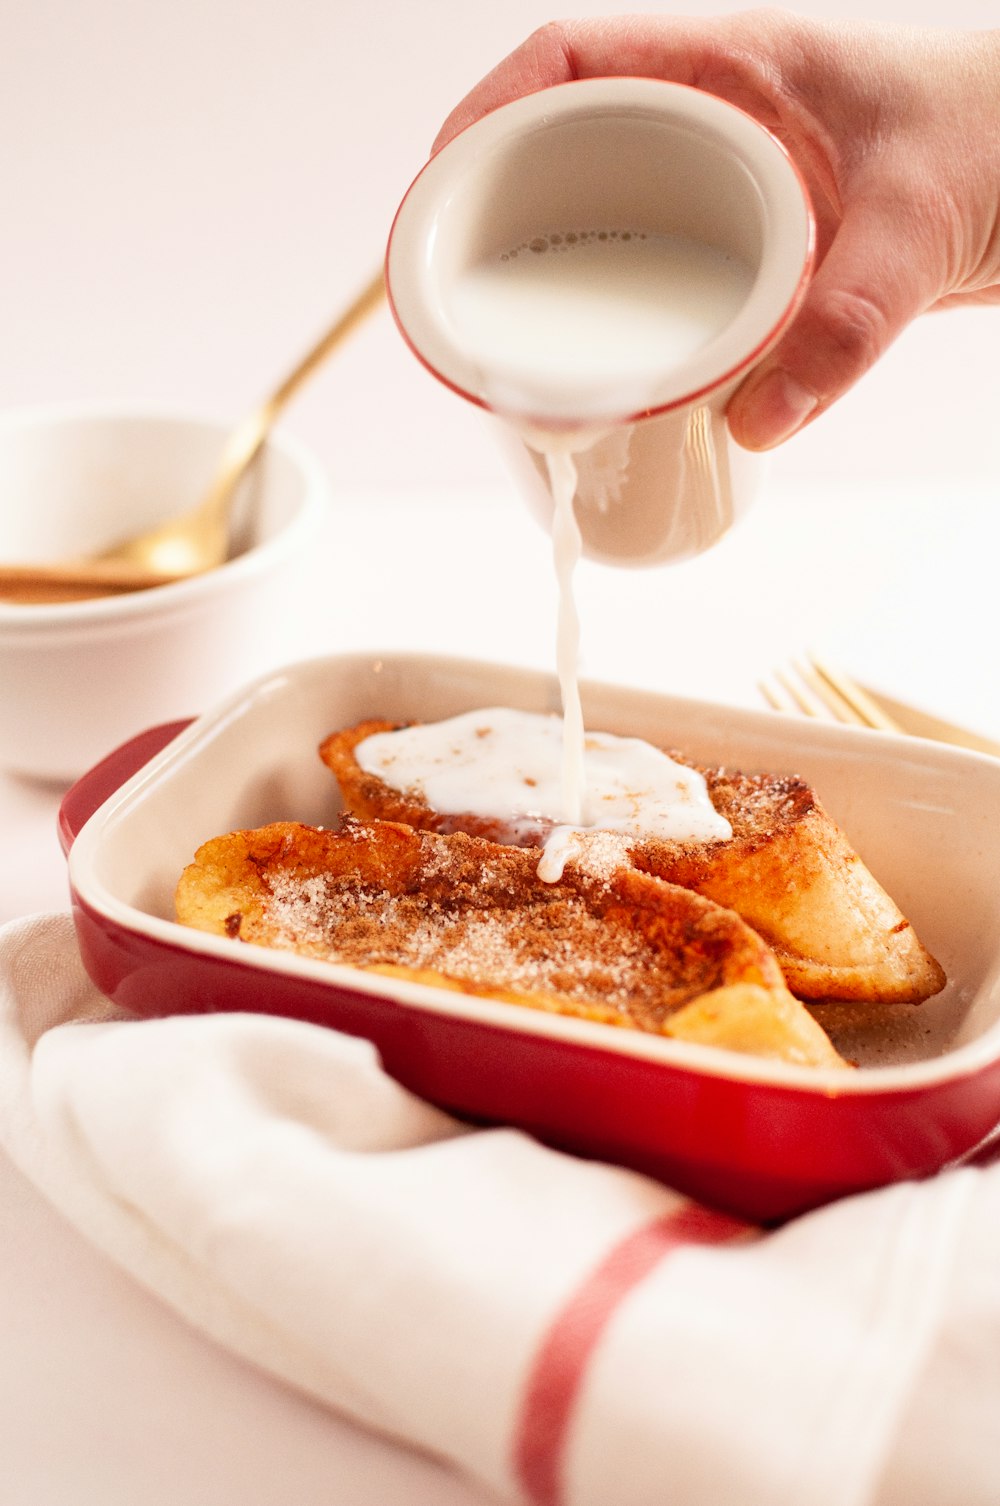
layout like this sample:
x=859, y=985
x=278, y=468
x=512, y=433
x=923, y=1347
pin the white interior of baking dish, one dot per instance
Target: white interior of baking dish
x=922, y=816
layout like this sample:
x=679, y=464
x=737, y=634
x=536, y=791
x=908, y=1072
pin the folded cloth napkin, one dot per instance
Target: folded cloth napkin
x=567, y=1333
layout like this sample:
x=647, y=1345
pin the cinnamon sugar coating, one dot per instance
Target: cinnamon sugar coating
x=457, y=911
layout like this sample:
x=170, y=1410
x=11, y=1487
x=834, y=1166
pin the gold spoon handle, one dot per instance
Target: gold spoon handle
x=364, y=304
x=247, y=438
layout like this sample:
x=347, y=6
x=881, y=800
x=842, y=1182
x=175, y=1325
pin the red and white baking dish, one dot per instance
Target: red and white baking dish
x=762, y=1139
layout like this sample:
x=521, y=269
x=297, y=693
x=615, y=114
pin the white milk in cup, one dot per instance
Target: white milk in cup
x=600, y=264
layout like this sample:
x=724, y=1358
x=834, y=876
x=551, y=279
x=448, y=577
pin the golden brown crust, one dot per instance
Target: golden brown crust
x=792, y=875
x=462, y=912
x=788, y=870
x=366, y=796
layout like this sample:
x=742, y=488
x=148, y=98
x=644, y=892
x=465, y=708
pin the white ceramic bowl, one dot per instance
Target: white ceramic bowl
x=78, y=677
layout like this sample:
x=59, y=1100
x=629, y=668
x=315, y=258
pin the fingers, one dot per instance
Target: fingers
x=542, y=60
x=614, y=46
x=876, y=277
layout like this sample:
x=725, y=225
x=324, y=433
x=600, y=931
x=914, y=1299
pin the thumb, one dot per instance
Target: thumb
x=874, y=279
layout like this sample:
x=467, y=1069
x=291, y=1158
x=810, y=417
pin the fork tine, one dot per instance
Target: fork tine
x=799, y=695
x=865, y=709
x=830, y=693
x=774, y=699
x=814, y=688
x=844, y=700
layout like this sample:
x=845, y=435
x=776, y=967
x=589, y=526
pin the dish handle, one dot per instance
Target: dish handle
x=91, y=790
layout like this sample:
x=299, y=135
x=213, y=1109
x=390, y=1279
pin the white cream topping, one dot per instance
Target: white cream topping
x=504, y=765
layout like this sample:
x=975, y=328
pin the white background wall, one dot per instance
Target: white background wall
x=191, y=187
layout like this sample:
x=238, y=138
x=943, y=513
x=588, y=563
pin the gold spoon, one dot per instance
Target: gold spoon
x=196, y=540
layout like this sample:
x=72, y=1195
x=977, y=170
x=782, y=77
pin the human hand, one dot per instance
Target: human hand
x=897, y=133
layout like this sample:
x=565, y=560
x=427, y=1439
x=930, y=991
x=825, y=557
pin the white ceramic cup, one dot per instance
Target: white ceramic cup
x=663, y=480
x=78, y=678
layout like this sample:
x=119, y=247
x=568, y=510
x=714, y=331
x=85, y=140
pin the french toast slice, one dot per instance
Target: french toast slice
x=791, y=873
x=459, y=912
x=787, y=870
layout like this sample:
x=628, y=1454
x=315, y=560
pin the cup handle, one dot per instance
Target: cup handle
x=91, y=790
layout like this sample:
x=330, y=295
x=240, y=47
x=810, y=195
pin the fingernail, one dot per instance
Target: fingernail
x=773, y=410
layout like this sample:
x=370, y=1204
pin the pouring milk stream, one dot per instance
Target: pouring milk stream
x=602, y=312
x=598, y=265
x=587, y=310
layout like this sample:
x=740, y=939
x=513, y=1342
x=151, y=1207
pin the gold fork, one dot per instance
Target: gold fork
x=813, y=687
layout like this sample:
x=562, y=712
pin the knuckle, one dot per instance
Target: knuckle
x=549, y=52
x=551, y=38
x=855, y=329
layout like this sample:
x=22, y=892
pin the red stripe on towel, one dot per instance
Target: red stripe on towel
x=554, y=1383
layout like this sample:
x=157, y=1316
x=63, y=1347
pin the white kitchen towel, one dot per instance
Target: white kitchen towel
x=568, y=1333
